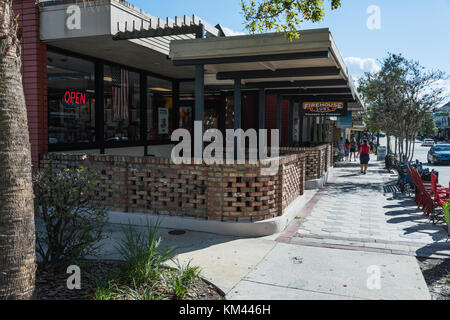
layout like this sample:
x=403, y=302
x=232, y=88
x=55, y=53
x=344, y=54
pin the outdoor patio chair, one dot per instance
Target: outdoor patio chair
x=440, y=196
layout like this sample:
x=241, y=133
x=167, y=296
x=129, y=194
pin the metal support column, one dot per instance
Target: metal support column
x=199, y=114
x=144, y=104
x=100, y=107
x=261, y=109
x=279, y=101
x=291, y=122
x=237, y=112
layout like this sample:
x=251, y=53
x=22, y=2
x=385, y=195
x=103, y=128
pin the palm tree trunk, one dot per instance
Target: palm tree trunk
x=413, y=146
x=17, y=234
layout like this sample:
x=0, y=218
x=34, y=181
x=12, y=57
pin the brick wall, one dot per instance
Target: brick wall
x=317, y=160
x=218, y=192
x=34, y=62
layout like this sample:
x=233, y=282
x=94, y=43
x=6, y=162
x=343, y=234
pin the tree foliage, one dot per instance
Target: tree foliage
x=398, y=99
x=69, y=204
x=283, y=15
x=428, y=125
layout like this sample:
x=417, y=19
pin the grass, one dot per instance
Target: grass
x=145, y=275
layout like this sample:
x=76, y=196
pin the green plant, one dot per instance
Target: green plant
x=283, y=15
x=181, y=279
x=69, y=205
x=142, y=254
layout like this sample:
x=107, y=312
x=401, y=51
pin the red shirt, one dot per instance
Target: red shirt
x=365, y=149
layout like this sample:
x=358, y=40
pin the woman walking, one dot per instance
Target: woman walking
x=364, y=155
x=347, y=149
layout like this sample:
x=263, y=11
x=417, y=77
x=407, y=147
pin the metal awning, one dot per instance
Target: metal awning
x=311, y=66
x=146, y=38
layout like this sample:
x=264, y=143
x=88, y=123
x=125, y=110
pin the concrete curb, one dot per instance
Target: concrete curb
x=242, y=229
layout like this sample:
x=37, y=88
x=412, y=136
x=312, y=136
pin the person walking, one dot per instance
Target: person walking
x=353, y=149
x=364, y=156
x=347, y=149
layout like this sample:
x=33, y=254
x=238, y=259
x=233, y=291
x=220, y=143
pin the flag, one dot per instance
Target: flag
x=120, y=93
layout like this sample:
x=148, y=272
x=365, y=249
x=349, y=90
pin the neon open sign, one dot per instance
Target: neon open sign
x=75, y=98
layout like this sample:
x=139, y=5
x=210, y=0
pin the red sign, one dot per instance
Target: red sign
x=324, y=108
x=74, y=98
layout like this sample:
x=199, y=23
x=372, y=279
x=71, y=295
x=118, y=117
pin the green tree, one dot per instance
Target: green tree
x=428, y=125
x=398, y=98
x=283, y=15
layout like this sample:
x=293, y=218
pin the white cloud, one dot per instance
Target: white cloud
x=357, y=66
x=445, y=84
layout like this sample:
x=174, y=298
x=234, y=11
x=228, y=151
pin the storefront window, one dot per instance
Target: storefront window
x=71, y=99
x=122, y=105
x=212, y=105
x=229, y=112
x=159, y=109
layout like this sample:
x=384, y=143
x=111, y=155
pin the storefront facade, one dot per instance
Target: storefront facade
x=86, y=91
x=106, y=84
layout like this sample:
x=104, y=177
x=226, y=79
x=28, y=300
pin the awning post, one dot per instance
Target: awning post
x=279, y=100
x=199, y=112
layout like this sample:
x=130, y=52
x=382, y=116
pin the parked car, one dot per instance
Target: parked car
x=428, y=143
x=382, y=135
x=439, y=153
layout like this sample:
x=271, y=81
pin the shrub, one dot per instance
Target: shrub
x=142, y=254
x=181, y=280
x=68, y=203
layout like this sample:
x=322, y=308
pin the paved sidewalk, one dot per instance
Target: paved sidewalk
x=363, y=212
x=355, y=229
x=355, y=239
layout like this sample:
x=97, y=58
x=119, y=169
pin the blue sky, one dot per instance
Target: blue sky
x=418, y=29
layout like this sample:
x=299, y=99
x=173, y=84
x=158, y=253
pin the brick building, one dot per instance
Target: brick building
x=69, y=46
x=110, y=81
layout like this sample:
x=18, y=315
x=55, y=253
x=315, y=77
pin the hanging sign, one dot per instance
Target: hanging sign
x=324, y=109
x=345, y=122
x=163, y=121
x=74, y=98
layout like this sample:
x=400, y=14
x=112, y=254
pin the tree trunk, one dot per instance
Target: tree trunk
x=413, y=147
x=396, y=146
x=405, y=156
x=17, y=234
x=388, y=138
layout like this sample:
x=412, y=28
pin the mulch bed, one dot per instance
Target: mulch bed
x=437, y=276
x=51, y=284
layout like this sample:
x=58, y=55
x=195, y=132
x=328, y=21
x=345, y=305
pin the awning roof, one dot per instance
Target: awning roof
x=101, y=20
x=310, y=66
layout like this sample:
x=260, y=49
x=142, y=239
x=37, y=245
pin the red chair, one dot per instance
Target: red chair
x=440, y=195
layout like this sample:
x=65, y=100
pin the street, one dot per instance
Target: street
x=421, y=155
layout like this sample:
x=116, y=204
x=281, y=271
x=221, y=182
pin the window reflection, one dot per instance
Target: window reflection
x=122, y=104
x=71, y=99
x=159, y=109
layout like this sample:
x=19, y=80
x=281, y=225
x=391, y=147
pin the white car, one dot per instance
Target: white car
x=428, y=143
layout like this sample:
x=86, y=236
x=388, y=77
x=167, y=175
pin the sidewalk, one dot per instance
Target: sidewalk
x=347, y=234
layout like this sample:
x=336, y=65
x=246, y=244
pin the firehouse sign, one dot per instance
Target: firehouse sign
x=324, y=109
